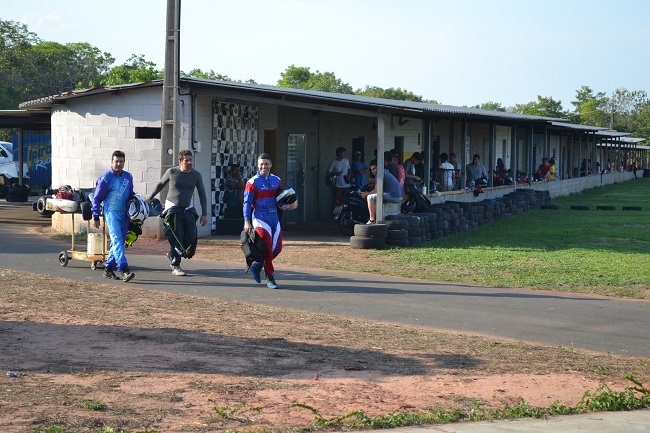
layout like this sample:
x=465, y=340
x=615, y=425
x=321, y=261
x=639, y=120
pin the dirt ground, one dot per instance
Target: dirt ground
x=89, y=356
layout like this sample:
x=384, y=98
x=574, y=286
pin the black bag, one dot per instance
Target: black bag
x=253, y=247
x=422, y=203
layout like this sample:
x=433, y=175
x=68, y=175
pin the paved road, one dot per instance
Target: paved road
x=588, y=322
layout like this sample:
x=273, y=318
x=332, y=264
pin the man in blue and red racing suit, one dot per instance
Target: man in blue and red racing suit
x=261, y=215
x=115, y=189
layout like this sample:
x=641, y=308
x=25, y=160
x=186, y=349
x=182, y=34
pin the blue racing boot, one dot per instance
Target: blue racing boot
x=256, y=268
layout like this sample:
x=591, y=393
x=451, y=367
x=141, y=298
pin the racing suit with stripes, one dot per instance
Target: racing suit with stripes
x=261, y=209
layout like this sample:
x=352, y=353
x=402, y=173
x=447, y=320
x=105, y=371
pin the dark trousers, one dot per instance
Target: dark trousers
x=180, y=231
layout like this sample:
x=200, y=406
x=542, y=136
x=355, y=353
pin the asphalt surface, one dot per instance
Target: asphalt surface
x=587, y=322
x=581, y=321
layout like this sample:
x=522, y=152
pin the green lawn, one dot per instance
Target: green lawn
x=594, y=251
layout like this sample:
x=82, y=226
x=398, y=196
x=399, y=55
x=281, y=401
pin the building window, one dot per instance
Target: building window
x=146, y=132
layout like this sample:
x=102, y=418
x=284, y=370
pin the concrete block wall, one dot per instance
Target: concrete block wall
x=86, y=131
x=555, y=189
x=411, y=131
x=202, y=159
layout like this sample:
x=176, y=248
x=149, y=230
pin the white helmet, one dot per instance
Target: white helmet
x=138, y=209
x=287, y=199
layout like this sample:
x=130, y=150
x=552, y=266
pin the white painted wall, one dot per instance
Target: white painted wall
x=86, y=131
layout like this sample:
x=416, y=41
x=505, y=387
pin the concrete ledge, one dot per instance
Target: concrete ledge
x=392, y=209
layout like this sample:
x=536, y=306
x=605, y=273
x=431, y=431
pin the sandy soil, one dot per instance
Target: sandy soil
x=173, y=364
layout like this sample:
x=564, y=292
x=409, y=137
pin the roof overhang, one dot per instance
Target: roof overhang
x=25, y=119
x=317, y=100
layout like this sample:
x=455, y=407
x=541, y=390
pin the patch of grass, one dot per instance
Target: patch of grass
x=240, y=413
x=603, y=399
x=93, y=405
x=590, y=252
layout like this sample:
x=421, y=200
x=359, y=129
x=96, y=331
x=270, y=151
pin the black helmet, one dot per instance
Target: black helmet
x=409, y=206
x=481, y=182
x=287, y=199
x=155, y=207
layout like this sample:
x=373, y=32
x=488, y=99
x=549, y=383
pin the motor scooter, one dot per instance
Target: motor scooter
x=350, y=209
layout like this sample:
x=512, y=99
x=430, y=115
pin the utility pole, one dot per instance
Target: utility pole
x=170, y=129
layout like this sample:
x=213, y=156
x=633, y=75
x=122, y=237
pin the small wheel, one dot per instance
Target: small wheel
x=93, y=266
x=63, y=258
x=346, y=223
x=41, y=207
x=86, y=210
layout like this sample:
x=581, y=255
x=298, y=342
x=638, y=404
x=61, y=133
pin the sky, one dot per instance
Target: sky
x=457, y=52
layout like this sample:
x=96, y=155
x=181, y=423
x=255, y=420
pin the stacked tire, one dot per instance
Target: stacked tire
x=397, y=234
x=17, y=193
x=369, y=236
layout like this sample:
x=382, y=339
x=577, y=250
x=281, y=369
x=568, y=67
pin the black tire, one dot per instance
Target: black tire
x=550, y=206
x=399, y=224
x=41, y=207
x=86, y=210
x=603, y=207
x=413, y=220
x=346, y=224
x=414, y=232
x=575, y=207
x=63, y=258
x=402, y=243
x=631, y=207
x=371, y=230
x=362, y=243
x=397, y=234
x=415, y=241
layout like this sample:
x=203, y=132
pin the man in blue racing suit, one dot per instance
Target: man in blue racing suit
x=115, y=189
x=261, y=215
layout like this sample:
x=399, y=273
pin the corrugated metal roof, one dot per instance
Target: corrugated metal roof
x=48, y=101
x=401, y=107
x=612, y=134
x=632, y=139
x=389, y=106
x=577, y=127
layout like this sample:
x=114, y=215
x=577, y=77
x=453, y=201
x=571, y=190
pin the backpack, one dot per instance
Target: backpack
x=253, y=247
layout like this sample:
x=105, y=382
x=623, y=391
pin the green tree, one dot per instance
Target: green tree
x=31, y=68
x=15, y=40
x=299, y=77
x=491, y=106
x=390, y=93
x=135, y=70
x=590, y=108
x=544, y=106
x=198, y=73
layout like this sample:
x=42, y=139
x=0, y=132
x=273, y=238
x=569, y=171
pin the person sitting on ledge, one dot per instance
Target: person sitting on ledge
x=393, y=192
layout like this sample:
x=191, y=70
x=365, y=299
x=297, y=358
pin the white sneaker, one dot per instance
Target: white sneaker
x=176, y=270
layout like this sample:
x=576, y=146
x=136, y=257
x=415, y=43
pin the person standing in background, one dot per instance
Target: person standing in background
x=340, y=166
x=359, y=170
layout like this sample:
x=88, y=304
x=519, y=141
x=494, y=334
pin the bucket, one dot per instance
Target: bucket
x=95, y=246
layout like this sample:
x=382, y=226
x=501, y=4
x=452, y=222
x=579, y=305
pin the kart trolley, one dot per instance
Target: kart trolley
x=96, y=251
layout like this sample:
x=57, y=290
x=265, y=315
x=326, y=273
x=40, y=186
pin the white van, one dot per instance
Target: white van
x=9, y=167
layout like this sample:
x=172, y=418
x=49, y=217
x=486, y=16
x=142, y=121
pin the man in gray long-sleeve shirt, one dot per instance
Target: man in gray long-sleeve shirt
x=180, y=215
